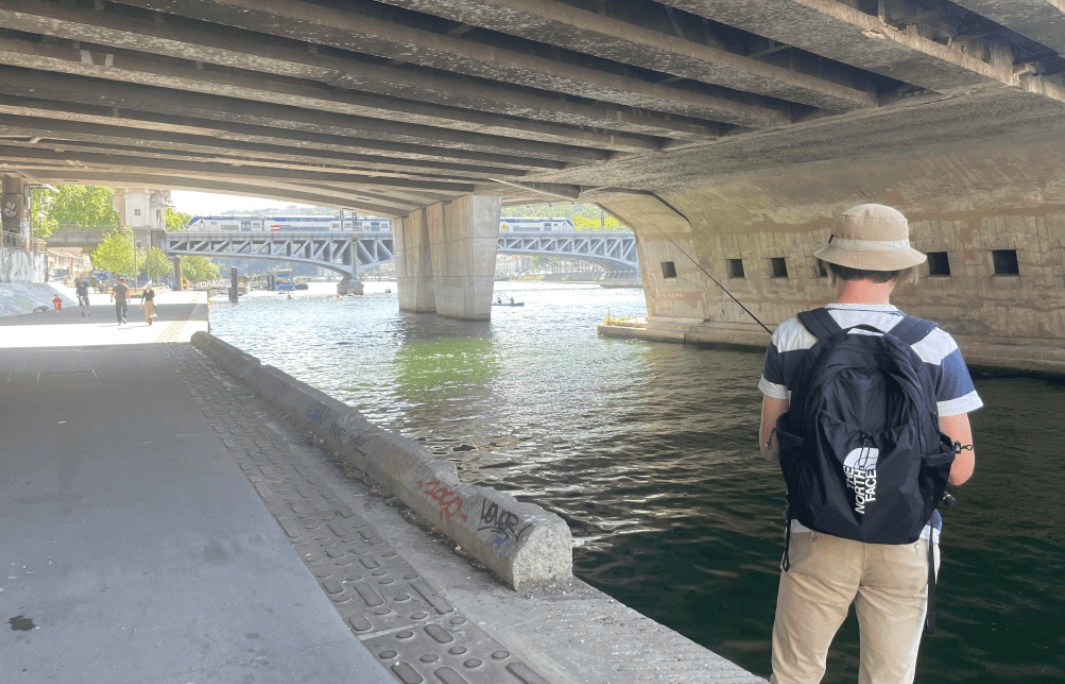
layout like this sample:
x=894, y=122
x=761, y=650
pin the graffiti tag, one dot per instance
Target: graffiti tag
x=502, y=522
x=353, y=441
x=450, y=502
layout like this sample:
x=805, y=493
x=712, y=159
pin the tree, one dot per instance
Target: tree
x=158, y=265
x=198, y=269
x=177, y=220
x=79, y=207
x=115, y=253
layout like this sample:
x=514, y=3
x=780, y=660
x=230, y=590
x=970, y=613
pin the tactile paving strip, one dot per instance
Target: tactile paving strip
x=453, y=651
x=413, y=630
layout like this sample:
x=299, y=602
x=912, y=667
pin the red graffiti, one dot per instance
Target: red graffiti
x=450, y=502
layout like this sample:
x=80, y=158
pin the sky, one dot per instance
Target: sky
x=203, y=203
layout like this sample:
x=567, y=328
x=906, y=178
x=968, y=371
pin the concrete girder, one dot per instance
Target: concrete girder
x=120, y=137
x=82, y=89
x=355, y=29
x=275, y=191
x=1040, y=20
x=320, y=96
x=841, y=32
x=249, y=172
x=464, y=101
x=567, y=26
x=254, y=133
x=73, y=150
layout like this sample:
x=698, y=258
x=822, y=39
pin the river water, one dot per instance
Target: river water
x=648, y=451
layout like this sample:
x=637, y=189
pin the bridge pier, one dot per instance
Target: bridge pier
x=177, y=274
x=445, y=257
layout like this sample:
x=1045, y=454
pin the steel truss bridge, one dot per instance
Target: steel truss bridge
x=351, y=253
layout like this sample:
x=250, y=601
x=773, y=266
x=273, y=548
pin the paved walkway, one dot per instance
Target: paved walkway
x=133, y=548
x=161, y=523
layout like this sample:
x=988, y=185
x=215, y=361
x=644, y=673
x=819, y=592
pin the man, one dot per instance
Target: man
x=118, y=296
x=868, y=254
x=82, y=288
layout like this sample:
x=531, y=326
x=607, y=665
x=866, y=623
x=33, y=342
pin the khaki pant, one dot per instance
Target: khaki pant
x=888, y=586
x=149, y=312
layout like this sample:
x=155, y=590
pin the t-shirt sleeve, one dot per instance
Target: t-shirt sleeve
x=955, y=392
x=772, y=382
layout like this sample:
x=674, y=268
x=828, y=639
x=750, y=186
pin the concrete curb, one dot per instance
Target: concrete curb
x=521, y=542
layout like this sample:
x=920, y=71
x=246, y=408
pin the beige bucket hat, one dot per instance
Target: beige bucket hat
x=871, y=237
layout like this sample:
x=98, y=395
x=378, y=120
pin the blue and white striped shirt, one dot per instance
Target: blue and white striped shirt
x=791, y=341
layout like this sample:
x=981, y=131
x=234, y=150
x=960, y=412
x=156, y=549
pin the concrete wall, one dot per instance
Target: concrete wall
x=965, y=204
x=521, y=542
x=18, y=265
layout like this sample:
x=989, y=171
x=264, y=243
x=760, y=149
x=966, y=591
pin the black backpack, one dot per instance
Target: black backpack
x=860, y=446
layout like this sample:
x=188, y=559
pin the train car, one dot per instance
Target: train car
x=256, y=223
x=536, y=224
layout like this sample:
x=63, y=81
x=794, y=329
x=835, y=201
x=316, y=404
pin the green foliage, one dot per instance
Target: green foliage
x=115, y=253
x=198, y=269
x=74, y=207
x=584, y=216
x=43, y=223
x=158, y=265
x=177, y=220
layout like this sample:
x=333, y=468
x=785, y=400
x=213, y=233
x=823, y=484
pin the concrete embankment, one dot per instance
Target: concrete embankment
x=22, y=297
x=522, y=543
x=1026, y=356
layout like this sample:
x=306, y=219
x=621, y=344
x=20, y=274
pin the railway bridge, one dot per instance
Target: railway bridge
x=351, y=253
x=725, y=133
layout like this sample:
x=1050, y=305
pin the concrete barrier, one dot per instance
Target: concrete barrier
x=521, y=542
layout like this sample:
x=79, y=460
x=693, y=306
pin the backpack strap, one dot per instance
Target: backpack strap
x=820, y=323
x=912, y=330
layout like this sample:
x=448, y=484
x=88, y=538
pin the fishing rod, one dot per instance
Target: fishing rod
x=678, y=212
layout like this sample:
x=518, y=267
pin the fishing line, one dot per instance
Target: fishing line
x=678, y=212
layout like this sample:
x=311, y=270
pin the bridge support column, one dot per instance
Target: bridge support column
x=15, y=210
x=463, y=239
x=177, y=274
x=414, y=267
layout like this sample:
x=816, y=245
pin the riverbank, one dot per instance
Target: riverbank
x=1030, y=358
x=181, y=491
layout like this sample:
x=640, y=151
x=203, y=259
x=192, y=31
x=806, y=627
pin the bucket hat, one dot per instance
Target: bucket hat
x=871, y=237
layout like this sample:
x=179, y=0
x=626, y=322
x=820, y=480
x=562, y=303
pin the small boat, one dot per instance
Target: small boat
x=508, y=303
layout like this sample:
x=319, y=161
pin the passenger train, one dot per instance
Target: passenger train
x=253, y=223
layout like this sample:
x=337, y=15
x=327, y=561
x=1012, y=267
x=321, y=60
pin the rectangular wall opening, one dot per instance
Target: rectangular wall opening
x=780, y=267
x=1005, y=262
x=735, y=268
x=669, y=270
x=938, y=264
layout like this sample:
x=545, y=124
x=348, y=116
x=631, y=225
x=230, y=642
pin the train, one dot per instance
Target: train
x=254, y=223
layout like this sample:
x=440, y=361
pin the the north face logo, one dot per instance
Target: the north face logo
x=860, y=468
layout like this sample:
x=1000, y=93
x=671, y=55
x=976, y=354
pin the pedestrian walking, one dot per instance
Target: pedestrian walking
x=148, y=303
x=82, y=288
x=866, y=409
x=118, y=296
x=57, y=302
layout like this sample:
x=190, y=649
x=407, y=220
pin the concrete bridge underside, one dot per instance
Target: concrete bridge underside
x=724, y=131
